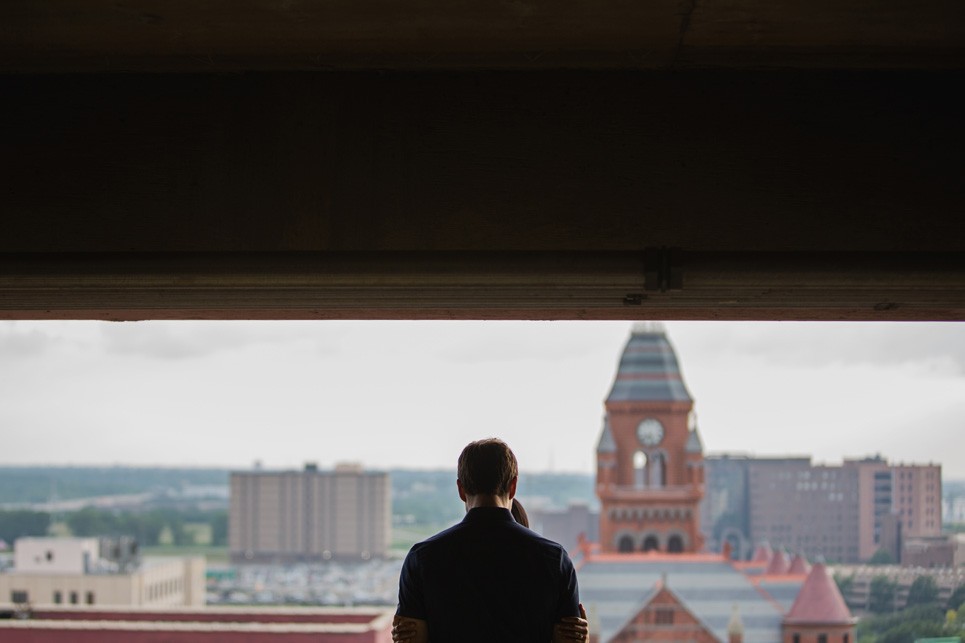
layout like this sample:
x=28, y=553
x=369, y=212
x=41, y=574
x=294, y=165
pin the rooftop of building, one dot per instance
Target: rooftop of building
x=180, y=623
x=340, y=469
x=819, y=601
x=606, y=443
x=648, y=370
x=618, y=585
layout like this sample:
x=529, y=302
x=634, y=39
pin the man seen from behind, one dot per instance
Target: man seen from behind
x=489, y=579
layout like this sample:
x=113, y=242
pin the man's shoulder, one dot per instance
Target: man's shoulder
x=440, y=537
x=464, y=530
x=548, y=547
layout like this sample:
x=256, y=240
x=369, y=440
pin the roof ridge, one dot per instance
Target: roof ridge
x=819, y=600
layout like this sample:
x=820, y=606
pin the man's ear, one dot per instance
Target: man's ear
x=462, y=492
x=512, y=487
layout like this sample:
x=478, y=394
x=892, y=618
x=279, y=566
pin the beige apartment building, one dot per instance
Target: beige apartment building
x=309, y=515
x=897, y=502
x=71, y=572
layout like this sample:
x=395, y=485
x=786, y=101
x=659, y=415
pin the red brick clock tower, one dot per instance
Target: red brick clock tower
x=650, y=477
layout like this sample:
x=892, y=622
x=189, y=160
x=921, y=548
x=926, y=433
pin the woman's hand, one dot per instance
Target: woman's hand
x=572, y=628
x=407, y=630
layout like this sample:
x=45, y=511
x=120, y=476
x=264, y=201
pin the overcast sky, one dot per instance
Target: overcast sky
x=411, y=394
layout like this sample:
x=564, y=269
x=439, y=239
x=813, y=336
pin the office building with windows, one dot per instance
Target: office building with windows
x=309, y=515
x=844, y=513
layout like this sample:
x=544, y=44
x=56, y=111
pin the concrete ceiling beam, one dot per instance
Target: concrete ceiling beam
x=63, y=36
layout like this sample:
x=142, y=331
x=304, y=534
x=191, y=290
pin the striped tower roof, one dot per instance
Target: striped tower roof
x=819, y=602
x=648, y=371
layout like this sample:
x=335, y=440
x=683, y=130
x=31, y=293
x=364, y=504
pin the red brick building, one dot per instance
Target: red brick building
x=649, y=456
x=664, y=617
x=819, y=613
x=201, y=625
x=648, y=578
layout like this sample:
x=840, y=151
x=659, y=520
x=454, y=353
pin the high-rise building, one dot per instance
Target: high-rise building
x=724, y=514
x=309, y=515
x=808, y=509
x=649, y=456
x=843, y=513
x=908, y=496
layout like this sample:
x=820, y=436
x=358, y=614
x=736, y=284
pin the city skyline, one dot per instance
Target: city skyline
x=411, y=394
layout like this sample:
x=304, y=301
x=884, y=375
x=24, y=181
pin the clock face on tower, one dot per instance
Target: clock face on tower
x=650, y=432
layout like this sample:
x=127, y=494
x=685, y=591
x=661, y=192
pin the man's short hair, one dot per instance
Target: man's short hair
x=487, y=467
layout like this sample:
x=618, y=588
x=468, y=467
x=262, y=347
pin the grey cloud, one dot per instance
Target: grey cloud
x=15, y=343
x=509, y=341
x=936, y=347
x=191, y=340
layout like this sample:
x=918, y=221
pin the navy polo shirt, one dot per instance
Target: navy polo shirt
x=488, y=579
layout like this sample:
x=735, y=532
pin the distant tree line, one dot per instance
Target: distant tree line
x=21, y=522
x=429, y=497
x=36, y=484
x=147, y=527
x=924, y=615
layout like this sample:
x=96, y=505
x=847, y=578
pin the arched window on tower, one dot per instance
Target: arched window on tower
x=675, y=545
x=658, y=470
x=639, y=469
x=650, y=543
x=625, y=543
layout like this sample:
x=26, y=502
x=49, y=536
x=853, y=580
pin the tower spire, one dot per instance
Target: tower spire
x=649, y=461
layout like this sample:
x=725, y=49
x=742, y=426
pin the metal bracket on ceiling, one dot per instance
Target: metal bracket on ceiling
x=662, y=269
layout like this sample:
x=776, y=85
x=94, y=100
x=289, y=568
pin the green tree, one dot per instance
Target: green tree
x=844, y=584
x=923, y=590
x=21, y=522
x=882, y=557
x=911, y=631
x=905, y=626
x=147, y=528
x=91, y=522
x=957, y=598
x=881, y=594
x=219, y=528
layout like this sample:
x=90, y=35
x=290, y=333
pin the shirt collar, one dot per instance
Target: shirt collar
x=495, y=514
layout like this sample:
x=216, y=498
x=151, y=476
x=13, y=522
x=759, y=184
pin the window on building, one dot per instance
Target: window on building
x=664, y=616
x=846, y=638
x=58, y=597
x=796, y=638
x=650, y=543
x=19, y=596
x=90, y=598
x=822, y=638
x=658, y=471
x=625, y=543
x=675, y=545
x=73, y=598
x=640, y=469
